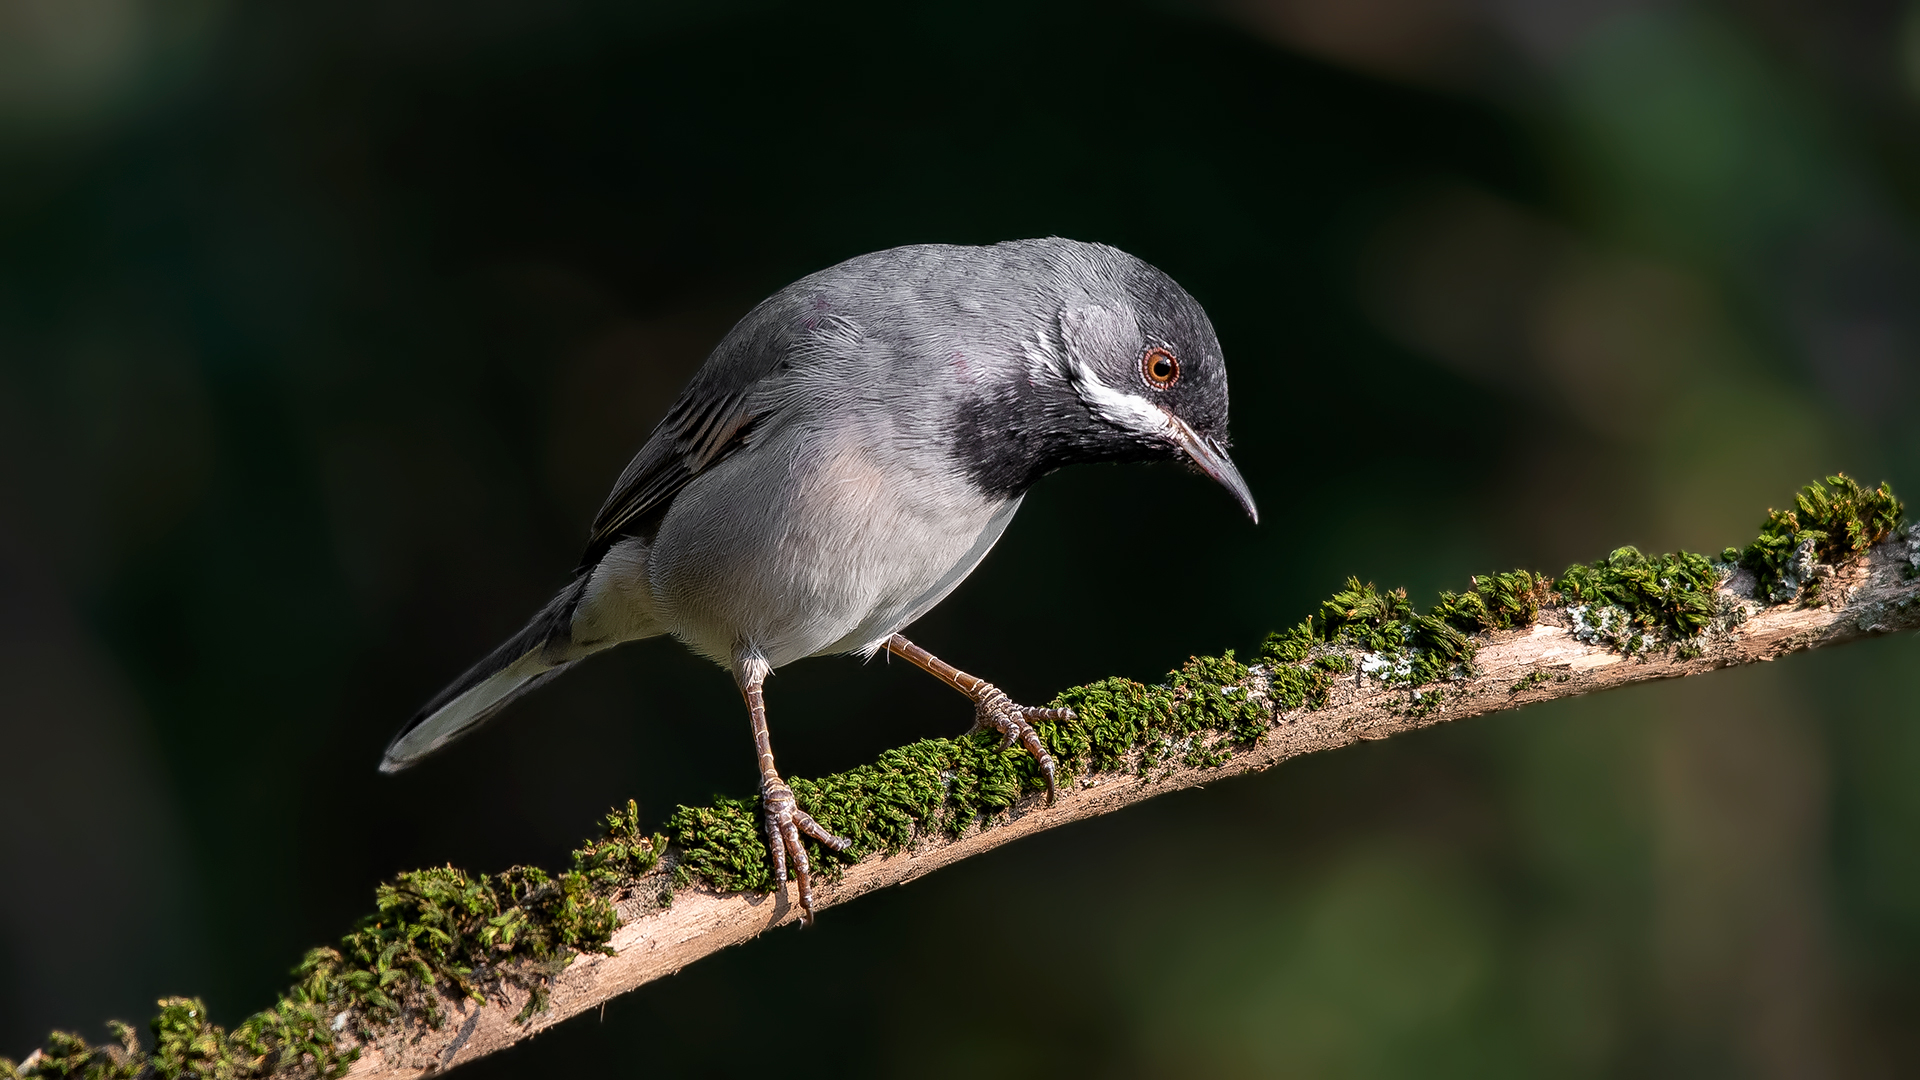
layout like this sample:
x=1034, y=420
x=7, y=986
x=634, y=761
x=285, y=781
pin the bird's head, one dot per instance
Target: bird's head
x=1141, y=358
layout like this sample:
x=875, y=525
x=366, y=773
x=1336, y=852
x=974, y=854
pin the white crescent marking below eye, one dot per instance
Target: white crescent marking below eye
x=1130, y=411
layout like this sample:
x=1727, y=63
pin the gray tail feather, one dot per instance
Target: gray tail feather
x=521, y=663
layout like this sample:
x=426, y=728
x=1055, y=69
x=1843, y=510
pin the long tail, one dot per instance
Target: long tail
x=541, y=650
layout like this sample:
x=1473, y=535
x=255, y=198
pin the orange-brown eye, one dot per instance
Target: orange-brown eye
x=1161, y=368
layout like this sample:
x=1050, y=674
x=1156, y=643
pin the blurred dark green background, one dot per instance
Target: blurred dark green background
x=324, y=327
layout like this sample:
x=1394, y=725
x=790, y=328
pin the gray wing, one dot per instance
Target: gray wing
x=725, y=402
x=711, y=419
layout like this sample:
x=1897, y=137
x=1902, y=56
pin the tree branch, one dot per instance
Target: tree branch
x=455, y=966
x=1872, y=595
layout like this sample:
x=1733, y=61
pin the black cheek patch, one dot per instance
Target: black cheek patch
x=1004, y=448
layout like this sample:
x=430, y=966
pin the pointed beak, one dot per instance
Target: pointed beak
x=1214, y=462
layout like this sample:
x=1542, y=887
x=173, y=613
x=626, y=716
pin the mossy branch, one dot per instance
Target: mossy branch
x=453, y=966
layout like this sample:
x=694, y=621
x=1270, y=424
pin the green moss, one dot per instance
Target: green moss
x=936, y=785
x=1112, y=716
x=69, y=1055
x=1300, y=671
x=1288, y=646
x=448, y=929
x=432, y=930
x=1406, y=645
x=720, y=845
x=1495, y=602
x=445, y=931
x=1829, y=523
x=623, y=853
x=1211, y=697
x=1533, y=679
x=945, y=786
x=1670, y=595
x=1367, y=616
x=1320, y=676
x=292, y=1038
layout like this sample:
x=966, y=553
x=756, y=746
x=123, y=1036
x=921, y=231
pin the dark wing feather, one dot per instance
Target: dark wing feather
x=687, y=443
x=711, y=419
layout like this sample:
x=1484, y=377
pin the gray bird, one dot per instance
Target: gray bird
x=849, y=453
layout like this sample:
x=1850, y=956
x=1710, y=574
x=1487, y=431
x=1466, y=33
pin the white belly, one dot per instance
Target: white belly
x=799, y=550
x=880, y=624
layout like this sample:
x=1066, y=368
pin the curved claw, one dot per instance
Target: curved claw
x=784, y=822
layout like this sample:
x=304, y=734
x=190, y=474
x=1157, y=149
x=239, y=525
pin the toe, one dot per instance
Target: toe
x=814, y=829
x=777, y=844
x=802, y=873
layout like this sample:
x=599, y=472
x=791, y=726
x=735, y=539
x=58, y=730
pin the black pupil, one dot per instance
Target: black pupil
x=1162, y=368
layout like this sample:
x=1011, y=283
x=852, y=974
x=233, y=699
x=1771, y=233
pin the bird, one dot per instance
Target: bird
x=850, y=451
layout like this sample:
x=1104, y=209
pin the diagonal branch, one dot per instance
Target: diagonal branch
x=1874, y=594
x=453, y=966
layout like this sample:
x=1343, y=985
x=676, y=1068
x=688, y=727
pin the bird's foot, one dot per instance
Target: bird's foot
x=997, y=711
x=785, y=823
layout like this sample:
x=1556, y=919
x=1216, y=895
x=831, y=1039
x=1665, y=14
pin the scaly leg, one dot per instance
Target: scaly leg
x=992, y=706
x=784, y=821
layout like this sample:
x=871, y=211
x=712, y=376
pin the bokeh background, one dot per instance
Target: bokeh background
x=326, y=324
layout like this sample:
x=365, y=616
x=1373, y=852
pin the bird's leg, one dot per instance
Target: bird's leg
x=992, y=707
x=784, y=821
